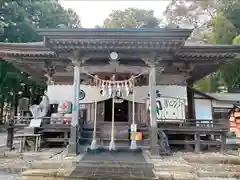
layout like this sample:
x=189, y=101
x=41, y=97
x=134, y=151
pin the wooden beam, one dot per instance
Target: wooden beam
x=115, y=69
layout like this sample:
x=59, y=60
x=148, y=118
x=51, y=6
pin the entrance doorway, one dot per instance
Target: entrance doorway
x=120, y=111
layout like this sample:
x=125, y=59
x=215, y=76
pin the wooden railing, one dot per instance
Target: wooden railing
x=49, y=124
x=218, y=124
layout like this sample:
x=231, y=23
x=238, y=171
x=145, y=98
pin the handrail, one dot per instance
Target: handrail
x=198, y=123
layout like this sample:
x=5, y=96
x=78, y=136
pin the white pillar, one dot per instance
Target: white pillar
x=112, y=145
x=73, y=143
x=94, y=141
x=134, y=126
x=153, y=115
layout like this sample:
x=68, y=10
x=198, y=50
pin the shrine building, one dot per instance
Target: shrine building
x=113, y=81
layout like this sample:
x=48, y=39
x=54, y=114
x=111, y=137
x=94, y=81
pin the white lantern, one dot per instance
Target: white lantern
x=102, y=92
x=118, y=87
x=127, y=89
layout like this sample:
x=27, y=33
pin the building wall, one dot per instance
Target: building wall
x=60, y=93
x=173, y=100
x=218, y=109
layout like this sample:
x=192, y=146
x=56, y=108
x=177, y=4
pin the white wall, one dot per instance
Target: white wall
x=59, y=93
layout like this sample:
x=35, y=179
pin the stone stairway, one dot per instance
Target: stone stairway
x=101, y=164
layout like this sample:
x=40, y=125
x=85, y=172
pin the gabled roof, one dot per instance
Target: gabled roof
x=204, y=58
x=230, y=97
x=234, y=97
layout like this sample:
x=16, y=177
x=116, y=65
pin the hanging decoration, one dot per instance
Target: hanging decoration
x=115, y=88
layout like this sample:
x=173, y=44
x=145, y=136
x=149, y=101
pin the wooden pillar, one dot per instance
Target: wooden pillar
x=223, y=142
x=73, y=142
x=153, y=115
x=197, y=143
x=191, y=108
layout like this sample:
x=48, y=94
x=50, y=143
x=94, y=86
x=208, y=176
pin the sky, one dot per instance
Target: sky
x=93, y=13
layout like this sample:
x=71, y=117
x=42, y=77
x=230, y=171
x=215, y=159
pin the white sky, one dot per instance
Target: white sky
x=93, y=13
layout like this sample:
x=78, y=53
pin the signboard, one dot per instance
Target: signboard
x=169, y=108
x=136, y=136
x=35, y=123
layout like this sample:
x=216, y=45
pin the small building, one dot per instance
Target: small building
x=220, y=106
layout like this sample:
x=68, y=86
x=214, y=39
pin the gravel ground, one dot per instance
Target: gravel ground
x=8, y=174
x=4, y=176
x=216, y=178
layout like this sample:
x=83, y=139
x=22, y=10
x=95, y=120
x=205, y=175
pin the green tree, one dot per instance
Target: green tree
x=222, y=28
x=18, y=19
x=131, y=18
x=208, y=84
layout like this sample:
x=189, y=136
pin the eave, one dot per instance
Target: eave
x=114, y=34
x=36, y=49
x=64, y=45
x=33, y=57
x=159, y=39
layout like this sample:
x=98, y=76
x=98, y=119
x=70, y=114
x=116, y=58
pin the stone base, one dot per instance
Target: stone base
x=154, y=151
x=72, y=147
x=112, y=145
x=93, y=144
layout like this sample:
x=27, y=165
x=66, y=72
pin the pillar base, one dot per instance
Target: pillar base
x=93, y=144
x=154, y=150
x=133, y=145
x=112, y=145
x=72, y=147
x=154, y=142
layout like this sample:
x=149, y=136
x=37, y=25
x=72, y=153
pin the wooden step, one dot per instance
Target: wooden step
x=63, y=140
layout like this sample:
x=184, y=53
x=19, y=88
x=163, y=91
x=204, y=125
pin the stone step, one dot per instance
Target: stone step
x=176, y=175
x=50, y=164
x=218, y=159
x=113, y=164
x=173, y=168
x=219, y=174
x=47, y=172
x=120, y=173
x=215, y=167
